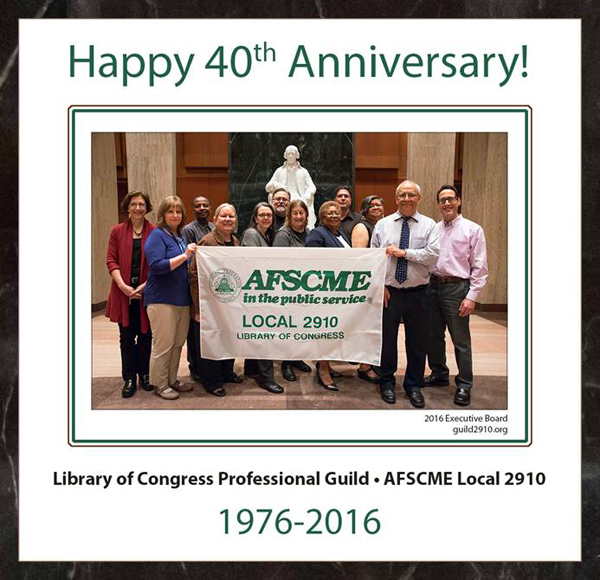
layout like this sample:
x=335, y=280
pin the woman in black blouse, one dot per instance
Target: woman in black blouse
x=372, y=211
x=260, y=234
x=293, y=235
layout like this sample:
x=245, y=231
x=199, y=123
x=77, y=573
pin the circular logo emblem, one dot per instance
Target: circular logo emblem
x=225, y=284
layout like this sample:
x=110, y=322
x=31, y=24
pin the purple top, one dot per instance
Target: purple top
x=462, y=253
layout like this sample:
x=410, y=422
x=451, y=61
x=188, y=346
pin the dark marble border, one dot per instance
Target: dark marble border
x=9, y=568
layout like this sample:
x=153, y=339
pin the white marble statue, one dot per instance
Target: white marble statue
x=293, y=177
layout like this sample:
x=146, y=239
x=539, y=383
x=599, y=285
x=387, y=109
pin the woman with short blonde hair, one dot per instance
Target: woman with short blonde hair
x=215, y=373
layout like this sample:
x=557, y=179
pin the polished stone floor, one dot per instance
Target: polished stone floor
x=490, y=392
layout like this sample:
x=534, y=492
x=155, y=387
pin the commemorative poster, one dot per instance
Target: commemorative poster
x=341, y=252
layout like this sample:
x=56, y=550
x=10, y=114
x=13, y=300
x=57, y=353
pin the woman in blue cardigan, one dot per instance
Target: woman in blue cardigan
x=167, y=297
x=328, y=235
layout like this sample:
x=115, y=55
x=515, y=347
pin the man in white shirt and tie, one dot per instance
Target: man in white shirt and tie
x=412, y=246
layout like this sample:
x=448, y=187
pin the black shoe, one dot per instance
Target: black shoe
x=217, y=392
x=128, y=389
x=433, y=381
x=195, y=377
x=233, y=379
x=145, y=383
x=272, y=387
x=301, y=366
x=364, y=375
x=288, y=373
x=416, y=398
x=388, y=396
x=333, y=374
x=462, y=397
x=330, y=387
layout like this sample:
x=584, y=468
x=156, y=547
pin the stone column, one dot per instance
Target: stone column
x=430, y=162
x=152, y=166
x=484, y=192
x=105, y=213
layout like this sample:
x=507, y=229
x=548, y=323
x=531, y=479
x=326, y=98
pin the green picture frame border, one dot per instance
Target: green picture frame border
x=74, y=110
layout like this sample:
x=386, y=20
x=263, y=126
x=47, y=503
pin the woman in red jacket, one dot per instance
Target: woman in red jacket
x=127, y=265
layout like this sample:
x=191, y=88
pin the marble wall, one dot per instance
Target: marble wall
x=105, y=211
x=484, y=195
x=254, y=157
x=152, y=166
x=430, y=162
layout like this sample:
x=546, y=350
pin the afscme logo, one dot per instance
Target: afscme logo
x=311, y=280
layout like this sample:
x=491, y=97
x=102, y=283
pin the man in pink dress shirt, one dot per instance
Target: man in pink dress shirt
x=456, y=281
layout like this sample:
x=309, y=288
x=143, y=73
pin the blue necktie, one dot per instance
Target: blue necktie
x=402, y=264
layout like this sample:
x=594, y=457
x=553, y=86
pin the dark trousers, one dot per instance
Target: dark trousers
x=262, y=369
x=445, y=303
x=193, y=347
x=411, y=306
x=212, y=373
x=135, y=345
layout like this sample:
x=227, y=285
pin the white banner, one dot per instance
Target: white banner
x=282, y=304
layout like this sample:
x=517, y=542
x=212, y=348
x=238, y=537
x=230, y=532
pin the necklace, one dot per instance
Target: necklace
x=138, y=233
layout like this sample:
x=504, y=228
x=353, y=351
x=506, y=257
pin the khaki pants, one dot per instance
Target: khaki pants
x=169, y=330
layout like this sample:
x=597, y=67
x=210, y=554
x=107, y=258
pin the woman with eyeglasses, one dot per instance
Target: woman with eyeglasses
x=127, y=265
x=215, y=373
x=328, y=235
x=259, y=233
x=371, y=209
x=293, y=235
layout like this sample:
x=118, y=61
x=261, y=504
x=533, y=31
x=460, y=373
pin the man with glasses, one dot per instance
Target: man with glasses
x=412, y=246
x=456, y=281
x=280, y=200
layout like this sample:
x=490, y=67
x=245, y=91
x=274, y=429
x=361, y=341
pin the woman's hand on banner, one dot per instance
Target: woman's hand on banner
x=191, y=248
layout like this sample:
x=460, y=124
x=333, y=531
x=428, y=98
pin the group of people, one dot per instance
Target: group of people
x=434, y=275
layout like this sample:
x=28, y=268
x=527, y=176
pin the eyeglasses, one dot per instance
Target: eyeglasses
x=444, y=200
x=263, y=215
x=407, y=195
x=379, y=205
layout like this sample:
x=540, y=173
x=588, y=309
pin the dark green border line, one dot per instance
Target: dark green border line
x=526, y=274
x=319, y=110
x=276, y=442
x=73, y=437
x=297, y=441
